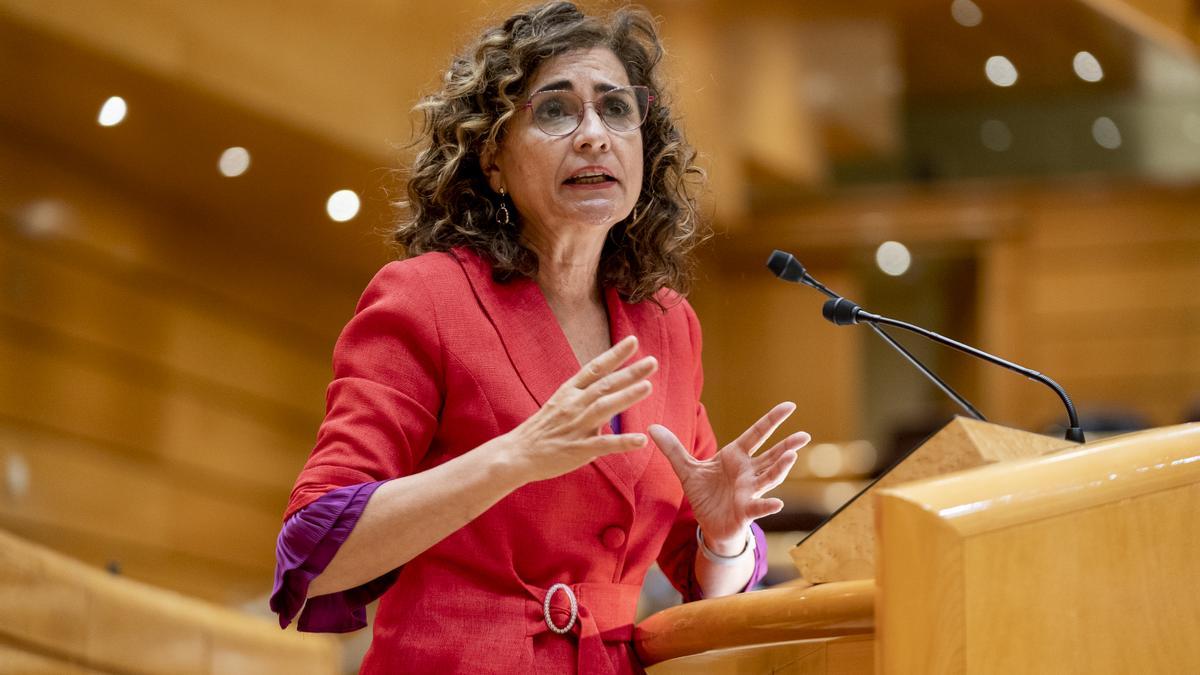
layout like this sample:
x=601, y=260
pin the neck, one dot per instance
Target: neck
x=568, y=268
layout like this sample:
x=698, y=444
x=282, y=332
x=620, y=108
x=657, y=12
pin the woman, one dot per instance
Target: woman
x=502, y=497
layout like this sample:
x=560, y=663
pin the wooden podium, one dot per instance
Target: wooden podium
x=1078, y=560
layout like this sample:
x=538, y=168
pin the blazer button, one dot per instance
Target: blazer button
x=613, y=537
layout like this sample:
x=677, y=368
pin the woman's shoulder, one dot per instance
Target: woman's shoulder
x=435, y=267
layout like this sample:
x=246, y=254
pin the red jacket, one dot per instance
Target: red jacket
x=440, y=358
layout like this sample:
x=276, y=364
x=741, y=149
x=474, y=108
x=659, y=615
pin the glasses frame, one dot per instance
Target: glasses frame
x=528, y=105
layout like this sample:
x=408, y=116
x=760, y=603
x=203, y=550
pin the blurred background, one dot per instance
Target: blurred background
x=192, y=196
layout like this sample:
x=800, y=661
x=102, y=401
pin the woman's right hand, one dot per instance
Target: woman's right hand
x=564, y=434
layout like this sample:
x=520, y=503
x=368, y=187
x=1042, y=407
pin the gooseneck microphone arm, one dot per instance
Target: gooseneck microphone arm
x=786, y=267
x=844, y=312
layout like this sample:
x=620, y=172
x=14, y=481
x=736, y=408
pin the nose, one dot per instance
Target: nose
x=592, y=133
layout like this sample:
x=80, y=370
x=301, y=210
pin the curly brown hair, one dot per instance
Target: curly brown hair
x=449, y=202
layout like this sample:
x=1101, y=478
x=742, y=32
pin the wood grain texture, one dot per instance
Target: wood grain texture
x=773, y=615
x=55, y=609
x=1077, y=562
x=852, y=655
x=845, y=547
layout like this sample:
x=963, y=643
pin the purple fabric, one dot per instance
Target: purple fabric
x=312, y=536
x=307, y=543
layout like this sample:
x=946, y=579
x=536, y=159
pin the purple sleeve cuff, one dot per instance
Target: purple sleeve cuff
x=307, y=543
x=760, y=567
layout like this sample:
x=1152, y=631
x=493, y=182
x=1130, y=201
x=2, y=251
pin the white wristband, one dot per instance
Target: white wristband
x=725, y=559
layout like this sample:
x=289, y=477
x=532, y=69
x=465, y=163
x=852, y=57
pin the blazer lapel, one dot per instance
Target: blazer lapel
x=543, y=358
x=531, y=335
x=644, y=320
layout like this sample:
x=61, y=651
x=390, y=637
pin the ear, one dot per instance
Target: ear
x=488, y=164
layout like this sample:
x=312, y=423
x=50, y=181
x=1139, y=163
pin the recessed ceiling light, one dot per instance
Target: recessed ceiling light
x=234, y=161
x=112, y=112
x=342, y=205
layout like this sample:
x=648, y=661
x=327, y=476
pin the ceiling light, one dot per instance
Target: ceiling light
x=1000, y=71
x=966, y=13
x=342, y=205
x=893, y=258
x=112, y=112
x=1106, y=134
x=1087, y=67
x=234, y=161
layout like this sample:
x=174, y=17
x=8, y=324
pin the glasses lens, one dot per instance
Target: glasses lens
x=556, y=112
x=624, y=109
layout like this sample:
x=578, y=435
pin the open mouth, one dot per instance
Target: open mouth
x=590, y=179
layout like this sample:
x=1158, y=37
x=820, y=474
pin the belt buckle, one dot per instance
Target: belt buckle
x=574, y=608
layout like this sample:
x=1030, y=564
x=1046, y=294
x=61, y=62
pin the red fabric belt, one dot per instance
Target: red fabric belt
x=605, y=614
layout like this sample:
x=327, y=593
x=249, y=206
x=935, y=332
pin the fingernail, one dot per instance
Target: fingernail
x=639, y=439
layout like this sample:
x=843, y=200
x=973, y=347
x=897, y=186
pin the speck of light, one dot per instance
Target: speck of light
x=342, y=205
x=112, y=112
x=995, y=135
x=1106, y=134
x=1087, y=67
x=824, y=460
x=966, y=13
x=1000, y=71
x=893, y=258
x=234, y=161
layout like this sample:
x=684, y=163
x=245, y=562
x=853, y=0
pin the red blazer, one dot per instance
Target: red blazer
x=440, y=358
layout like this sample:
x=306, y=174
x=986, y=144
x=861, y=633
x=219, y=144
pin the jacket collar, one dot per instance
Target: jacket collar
x=543, y=358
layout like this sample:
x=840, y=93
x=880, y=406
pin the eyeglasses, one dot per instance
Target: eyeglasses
x=559, y=112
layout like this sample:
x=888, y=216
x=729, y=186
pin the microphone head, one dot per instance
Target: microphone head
x=785, y=266
x=840, y=311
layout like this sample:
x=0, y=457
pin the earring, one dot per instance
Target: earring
x=502, y=216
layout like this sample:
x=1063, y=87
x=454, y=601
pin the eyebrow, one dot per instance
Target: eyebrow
x=566, y=84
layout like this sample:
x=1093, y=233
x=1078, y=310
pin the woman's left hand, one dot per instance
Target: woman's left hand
x=726, y=490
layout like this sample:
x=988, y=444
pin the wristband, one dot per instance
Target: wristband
x=724, y=559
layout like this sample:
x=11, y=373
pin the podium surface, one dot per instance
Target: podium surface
x=1084, y=560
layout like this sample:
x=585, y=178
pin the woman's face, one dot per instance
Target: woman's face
x=541, y=172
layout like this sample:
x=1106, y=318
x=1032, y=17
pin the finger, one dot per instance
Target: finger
x=764, y=507
x=681, y=460
x=611, y=443
x=602, y=409
x=794, y=442
x=770, y=478
x=625, y=377
x=605, y=363
x=766, y=425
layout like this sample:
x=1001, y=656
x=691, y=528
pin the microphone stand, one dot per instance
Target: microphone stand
x=843, y=312
x=786, y=267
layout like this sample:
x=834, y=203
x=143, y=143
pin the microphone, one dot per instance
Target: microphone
x=843, y=312
x=785, y=266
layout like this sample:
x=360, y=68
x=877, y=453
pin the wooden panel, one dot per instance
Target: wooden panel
x=765, y=342
x=835, y=656
x=14, y=661
x=845, y=547
x=78, y=396
x=1075, y=562
x=1122, y=609
x=786, y=613
x=63, y=610
x=70, y=486
x=60, y=208
x=170, y=330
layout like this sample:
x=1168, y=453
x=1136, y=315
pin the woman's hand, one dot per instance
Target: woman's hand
x=726, y=490
x=564, y=434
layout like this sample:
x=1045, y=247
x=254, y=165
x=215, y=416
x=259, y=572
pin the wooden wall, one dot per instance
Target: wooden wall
x=162, y=383
x=1098, y=288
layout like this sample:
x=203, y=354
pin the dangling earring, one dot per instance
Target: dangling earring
x=634, y=218
x=502, y=216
